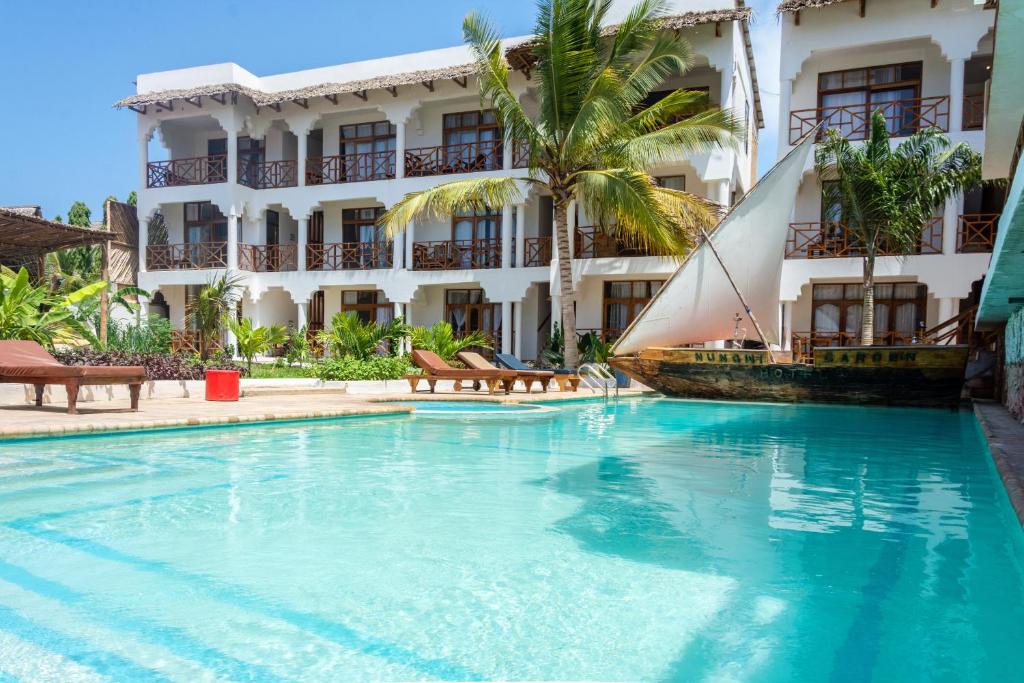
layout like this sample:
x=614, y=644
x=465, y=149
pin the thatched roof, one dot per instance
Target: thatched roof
x=518, y=57
x=25, y=238
x=24, y=210
x=797, y=5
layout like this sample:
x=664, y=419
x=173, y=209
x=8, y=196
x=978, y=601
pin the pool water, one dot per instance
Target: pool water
x=640, y=540
x=468, y=407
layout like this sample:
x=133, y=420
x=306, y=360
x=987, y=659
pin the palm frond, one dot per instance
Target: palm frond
x=447, y=199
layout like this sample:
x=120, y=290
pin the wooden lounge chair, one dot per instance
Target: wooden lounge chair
x=26, y=362
x=434, y=368
x=527, y=377
x=566, y=379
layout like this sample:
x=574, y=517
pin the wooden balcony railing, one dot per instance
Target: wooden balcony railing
x=268, y=258
x=260, y=175
x=831, y=239
x=902, y=117
x=974, y=113
x=456, y=254
x=976, y=233
x=192, y=256
x=349, y=256
x=468, y=157
x=350, y=168
x=193, y=171
x=804, y=343
x=520, y=155
x=536, y=251
x=187, y=341
x=593, y=243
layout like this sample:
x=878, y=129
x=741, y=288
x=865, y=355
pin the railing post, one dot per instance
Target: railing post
x=956, y=94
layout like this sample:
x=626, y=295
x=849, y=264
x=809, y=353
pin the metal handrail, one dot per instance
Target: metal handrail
x=601, y=374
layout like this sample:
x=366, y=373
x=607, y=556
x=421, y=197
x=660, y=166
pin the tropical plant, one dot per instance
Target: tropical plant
x=79, y=214
x=349, y=368
x=71, y=269
x=350, y=336
x=133, y=199
x=440, y=338
x=251, y=341
x=596, y=132
x=297, y=349
x=213, y=304
x=887, y=194
x=152, y=335
x=589, y=347
x=35, y=313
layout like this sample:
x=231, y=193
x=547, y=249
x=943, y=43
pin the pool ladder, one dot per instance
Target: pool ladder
x=598, y=377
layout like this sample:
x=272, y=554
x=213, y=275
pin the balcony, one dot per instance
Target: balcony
x=456, y=254
x=470, y=157
x=976, y=233
x=536, y=251
x=902, y=117
x=349, y=256
x=350, y=168
x=593, y=243
x=267, y=258
x=194, y=171
x=832, y=239
x=974, y=113
x=192, y=256
x=260, y=175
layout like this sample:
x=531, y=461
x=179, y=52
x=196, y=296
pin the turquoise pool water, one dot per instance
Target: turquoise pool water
x=468, y=407
x=645, y=540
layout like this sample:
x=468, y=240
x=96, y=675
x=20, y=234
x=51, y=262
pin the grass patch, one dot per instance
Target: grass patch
x=270, y=371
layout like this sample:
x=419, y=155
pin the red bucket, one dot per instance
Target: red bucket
x=222, y=385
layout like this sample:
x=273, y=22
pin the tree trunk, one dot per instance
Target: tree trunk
x=563, y=243
x=867, y=314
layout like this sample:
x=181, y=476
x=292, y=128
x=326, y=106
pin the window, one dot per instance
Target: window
x=478, y=234
x=673, y=182
x=467, y=310
x=204, y=223
x=658, y=95
x=847, y=98
x=373, y=145
x=900, y=309
x=623, y=302
x=368, y=305
x=472, y=141
x=366, y=243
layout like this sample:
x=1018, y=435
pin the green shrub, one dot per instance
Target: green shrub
x=348, y=368
x=146, y=336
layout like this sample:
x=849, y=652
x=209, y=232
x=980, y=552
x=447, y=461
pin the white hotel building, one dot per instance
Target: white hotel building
x=924, y=63
x=280, y=179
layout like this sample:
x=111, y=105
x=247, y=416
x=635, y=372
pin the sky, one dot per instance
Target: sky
x=63, y=63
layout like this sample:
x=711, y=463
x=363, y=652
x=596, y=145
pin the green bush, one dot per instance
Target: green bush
x=348, y=368
x=147, y=336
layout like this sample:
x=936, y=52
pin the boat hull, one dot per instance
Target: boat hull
x=927, y=376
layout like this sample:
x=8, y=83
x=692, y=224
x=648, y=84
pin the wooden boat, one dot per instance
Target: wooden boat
x=731, y=283
x=928, y=376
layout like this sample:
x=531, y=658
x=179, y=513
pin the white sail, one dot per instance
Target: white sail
x=698, y=304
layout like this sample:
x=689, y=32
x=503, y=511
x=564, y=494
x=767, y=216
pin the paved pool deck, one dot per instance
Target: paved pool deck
x=1005, y=437
x=20, y=421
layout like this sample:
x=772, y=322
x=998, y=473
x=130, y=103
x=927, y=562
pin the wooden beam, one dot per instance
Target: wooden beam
x=361, y=94
x=302, y=102
x=137, y=109
x=935, y=3
x=461, y=80
x=393, y=89
x=429, y=85
x=718, y=29
x=796, y=18
x=862, y=7
x=165, y=106
x=276, y=106
x=332, y=98
x=218, y=97
x=234, y=98
x=195, y=101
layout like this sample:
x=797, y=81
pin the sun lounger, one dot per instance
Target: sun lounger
x=26, y=362
x=434, y=368
x=527, y=377
x=566, y=379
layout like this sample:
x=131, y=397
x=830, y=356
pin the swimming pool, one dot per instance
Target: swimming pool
x=642, y=540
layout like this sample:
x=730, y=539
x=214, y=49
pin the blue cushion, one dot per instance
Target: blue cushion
x=507, y=360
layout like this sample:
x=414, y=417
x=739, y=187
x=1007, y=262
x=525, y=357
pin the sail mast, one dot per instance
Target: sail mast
x=739, y=295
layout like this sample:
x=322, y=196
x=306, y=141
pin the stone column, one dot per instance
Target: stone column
x=400, y=149
x=144, y=160
x=143, y=242
x=787, y=326
x=520, y=235
x=956, y=94
x=232, y=240
x=410, y=236
x=950, y=224
x=785, y=94
x=506, y=327
x=724, y=194
x=302, y=311
x=506, y=153
x=303, y=236
x=506, y=236
x=517, y=324
x=300, y=162
x=570, y=220
x=556, y=311
x=398, y=250
x=232, y=156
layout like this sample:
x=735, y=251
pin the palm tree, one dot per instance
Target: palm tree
x=350, y=336
x=440, y=338
x=596, y=133
x=207, y=313
x=255, y=340
x=887, y=195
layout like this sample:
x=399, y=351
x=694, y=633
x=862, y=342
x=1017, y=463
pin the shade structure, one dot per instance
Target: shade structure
x=25, y=239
